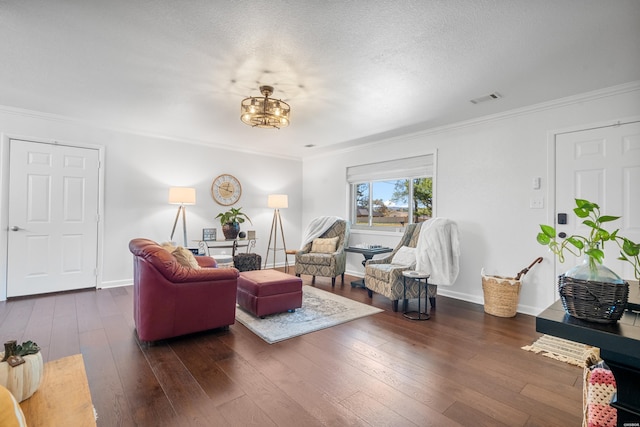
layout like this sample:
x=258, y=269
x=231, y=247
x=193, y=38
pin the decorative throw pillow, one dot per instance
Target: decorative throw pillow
x=10, y=412
x=404, y=256
x=185, y=258
x=325, y=246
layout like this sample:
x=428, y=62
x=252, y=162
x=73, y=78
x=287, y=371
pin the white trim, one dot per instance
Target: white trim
x=116, y=283
x=5, y=139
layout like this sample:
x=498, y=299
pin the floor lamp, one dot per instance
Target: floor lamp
x=181, y=196
x=276, y=202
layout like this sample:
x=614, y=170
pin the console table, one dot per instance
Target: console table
x=231, y=244
x=619, y=345
x=368, y=253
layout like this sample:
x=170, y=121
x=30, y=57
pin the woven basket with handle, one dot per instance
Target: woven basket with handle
x=501, y=294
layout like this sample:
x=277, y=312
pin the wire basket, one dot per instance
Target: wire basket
x=593, y=301
x=501, y=295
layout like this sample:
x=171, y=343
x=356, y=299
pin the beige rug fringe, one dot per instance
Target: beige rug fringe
x=574, y=353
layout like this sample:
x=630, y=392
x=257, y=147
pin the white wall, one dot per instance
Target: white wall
x=484, y=173
x=484, y=182
x=138, y=173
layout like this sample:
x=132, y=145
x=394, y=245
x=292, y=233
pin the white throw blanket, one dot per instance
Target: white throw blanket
x=317, y=227
x=438, y=251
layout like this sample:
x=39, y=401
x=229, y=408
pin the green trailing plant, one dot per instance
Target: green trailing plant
x=592, y=245
x=232, y=216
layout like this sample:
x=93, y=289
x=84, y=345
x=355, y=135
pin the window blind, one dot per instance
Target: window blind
x=411, y=167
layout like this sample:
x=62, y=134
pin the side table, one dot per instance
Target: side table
x=420, y=278
x=368, y=253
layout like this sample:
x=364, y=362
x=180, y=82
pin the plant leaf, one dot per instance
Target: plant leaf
x=582, y=202
x=630, y=248
x=596, y=254
x=608, y=218
x=581, y=213
x=548, y=231
x=575, y=242
x=543, y=239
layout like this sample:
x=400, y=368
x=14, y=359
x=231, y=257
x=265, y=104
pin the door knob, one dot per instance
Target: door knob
x=15, y=228
x=562, y=234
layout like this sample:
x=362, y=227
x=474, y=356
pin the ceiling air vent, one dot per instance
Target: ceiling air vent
x=490, y=97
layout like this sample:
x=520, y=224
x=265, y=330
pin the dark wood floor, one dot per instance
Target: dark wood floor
x=462, y=367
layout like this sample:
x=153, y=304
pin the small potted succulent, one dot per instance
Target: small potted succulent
x=230, y=221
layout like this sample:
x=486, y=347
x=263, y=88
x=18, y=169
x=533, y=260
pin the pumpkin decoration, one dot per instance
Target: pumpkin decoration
x=21, y=368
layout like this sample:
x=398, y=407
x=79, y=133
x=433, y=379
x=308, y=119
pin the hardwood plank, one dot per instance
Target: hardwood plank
x=17, y=318
x=281, y=365
x=200, y=355
x=87, y=311
x=64, y=329
x=40, y=323
x=185, y=395
x=468, y=416
x=266, y=395
x=243, y=412
x=375, y=412
x=106, y=388
x=143, y=392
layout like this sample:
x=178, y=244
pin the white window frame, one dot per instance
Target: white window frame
x=422, y=166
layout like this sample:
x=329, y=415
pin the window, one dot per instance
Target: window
x=391, y=194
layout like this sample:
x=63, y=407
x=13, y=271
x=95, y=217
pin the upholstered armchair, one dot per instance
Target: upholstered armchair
x=170, y=299
x=324, y=263
x=385, y=278
x=436, y=252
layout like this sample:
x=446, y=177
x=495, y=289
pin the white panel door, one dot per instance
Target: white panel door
x=603, y=166
x=53, y=218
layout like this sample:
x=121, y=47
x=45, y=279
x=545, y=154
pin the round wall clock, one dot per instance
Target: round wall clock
x=226, y=189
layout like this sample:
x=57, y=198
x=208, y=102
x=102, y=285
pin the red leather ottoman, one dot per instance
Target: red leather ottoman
x=264, y=292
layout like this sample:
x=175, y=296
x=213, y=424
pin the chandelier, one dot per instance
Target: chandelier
x=265, y=112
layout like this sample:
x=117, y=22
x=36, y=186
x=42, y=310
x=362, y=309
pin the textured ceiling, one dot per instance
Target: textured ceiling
x=351, y=70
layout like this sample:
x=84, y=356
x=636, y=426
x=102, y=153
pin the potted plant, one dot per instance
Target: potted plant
x=592, y=291
x=230, y=221
x=591, y=246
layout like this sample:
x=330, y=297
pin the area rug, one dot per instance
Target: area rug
x=320, y=310
x=564, y=350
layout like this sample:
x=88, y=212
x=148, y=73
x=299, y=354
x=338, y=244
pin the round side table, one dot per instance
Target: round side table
x=421, y=279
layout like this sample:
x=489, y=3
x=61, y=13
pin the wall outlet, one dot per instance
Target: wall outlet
x=536, y=203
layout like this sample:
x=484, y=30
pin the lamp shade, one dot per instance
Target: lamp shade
x=278, y=201
x=182, y=196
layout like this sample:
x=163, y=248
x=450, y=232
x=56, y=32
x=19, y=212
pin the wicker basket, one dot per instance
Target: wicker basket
x=593, y=301
x=501, y=295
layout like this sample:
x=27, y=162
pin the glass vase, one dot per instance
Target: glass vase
x=594, y=272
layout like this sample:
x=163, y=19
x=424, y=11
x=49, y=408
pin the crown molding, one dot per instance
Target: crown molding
x=99, y=126
x=535, y=108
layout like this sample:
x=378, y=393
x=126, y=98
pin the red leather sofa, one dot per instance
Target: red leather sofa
x=171, y=300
